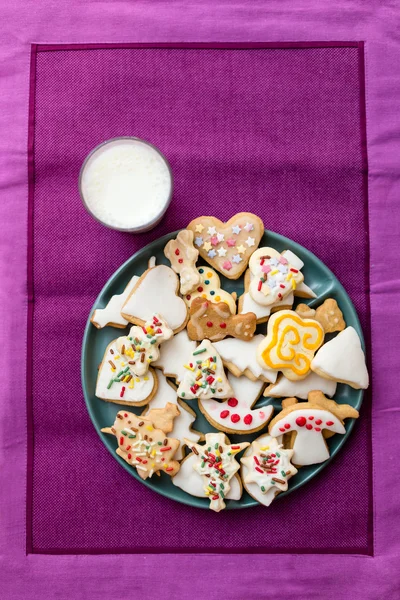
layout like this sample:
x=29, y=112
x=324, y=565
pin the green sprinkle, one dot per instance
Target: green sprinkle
x=198, y=362
x=212, y=293
x=131, y=437
x=182, y=394
x=209, y=448
x=126, y=369
x=273, y=482
x=221, y=493
x=196, y=352
x=120, y=373
x=110, y=384
x=130, y=339
x=202, y=464
x=153, y=341
x=151, y=356
x=278, y=455
x=124, y=432
x=262, y=488
x=216, y=446
x=159, y=443
x=213, y=390
x=214, y=358
x=117, y=379
x=283, y=473
x=149, y=335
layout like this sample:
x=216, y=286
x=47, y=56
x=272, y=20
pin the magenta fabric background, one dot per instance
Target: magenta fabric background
x=308, y=577
x=263, y=137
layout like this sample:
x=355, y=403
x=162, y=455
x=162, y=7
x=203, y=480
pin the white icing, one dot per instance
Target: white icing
x=142, y=386
x=273, y=277
x=309, y=446
x=343, y=359
x=304, y=291
x=249, y=305
x=293, y=259
x=211, y=290
x=301, y=388
x=245, y=392
x=152, y=262
x=195, y=376
x=192, y=483
x=173, y=355
x=243, y=355
x=111, y=313
x=250, y=470
x=182, y=423
x=156, y=293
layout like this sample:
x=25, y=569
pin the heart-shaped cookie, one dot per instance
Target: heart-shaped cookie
x=227, y=246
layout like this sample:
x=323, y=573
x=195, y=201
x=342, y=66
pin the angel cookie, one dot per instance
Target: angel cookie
x=214, y=321
x=237, y=415
x=141, y=346
x=266, y=469
x=156, y=293
x=205, y=376
x=227, y=246
x=142, y=441
x=210, y=289
x=273, y=277
x=290, y=344
x=116, y=383
x=111, y=313
x=309, y=423
x=217, y=465
x=183, y=256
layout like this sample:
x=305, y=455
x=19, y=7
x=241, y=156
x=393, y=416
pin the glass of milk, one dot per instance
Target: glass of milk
x=126, y=184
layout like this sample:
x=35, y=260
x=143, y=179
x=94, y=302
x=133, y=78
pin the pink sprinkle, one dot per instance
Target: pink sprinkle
x=265, y=268
x=227, y=266
x=214, y=240
x=231, y=243
x=283, y=260
x=261, y=414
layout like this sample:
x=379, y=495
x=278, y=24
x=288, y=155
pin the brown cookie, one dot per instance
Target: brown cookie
x=330, y=316
x=214, y=321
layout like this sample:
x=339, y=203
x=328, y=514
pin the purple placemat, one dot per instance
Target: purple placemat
x=279, y=132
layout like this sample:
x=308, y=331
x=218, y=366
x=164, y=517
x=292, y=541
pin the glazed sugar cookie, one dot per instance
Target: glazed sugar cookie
x=173, y=355
x=266, y=469
x=308, y=421
x=111, y=313
x=301, y=388
x=227, y=246
x=236, y=414
x=116, y=383
x=191, y=482
x=143, y=444
x=290, y=344
x=183, y=256
x=342, y=359
x=166, y=394
x=215, y=321
x=205, y=376
x=247, y=304
x=156, y=293
x=273, y=276
x=215, y=462
x=240, y=358
x=141, y=347
x=210, y=289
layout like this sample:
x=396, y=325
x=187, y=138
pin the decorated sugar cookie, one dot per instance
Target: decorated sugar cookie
x=216, y=463
x=156, y=293
x=236, y=414
x=300, y=388
x=205, y=376
x=266, y=469
x=328, y=314
x=227, y=246
x=173, y=355
x=141, y=346
x=111, y=313
x=183, y=256
x=273, y=276
x=290, y=344
x=116, y=383
x=342, y=359
x=166, y=394
x=262, y=312
x=142, y=441
x=308, y=422
x=191, y=482
x=210, y=289
x=215, y=321
x=240, y=358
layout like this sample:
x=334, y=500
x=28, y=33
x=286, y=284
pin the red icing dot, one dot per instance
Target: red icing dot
x=248, y=419
x=209, y=324
x=281, y=429
x=310, y=418
x=125, y=414
x=235, y=418
x=180, y=261
x=317, y=428
x=301, y=421
x=232, y=402
x=318, y=422
x=287, y=425
x=329, y=423
x=199, y=289
x=222, y=325
x=177, y=252
x=309, y=426
x=188, y=297
x=224, y=414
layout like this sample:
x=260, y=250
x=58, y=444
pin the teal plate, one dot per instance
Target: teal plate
x=317, y=276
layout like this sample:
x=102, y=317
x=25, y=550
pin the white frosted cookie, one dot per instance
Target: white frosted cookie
x=300, y=388
x=210, y=289
x=191, y=482
x=111, y=313
x=183, y=256
x=173, y=355
x=240, y=358
x=273, y=276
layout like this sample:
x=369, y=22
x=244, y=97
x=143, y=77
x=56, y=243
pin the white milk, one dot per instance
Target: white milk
x=126, y=184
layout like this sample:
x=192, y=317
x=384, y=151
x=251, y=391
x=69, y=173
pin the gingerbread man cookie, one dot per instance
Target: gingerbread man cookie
x=273, y=277
x=183, y=256
x=215, y=321
x=290, y=344
x=142, y=441
x=210, y=289
x=227, y=246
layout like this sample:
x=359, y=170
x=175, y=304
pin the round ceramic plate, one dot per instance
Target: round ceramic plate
x=316, y=275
